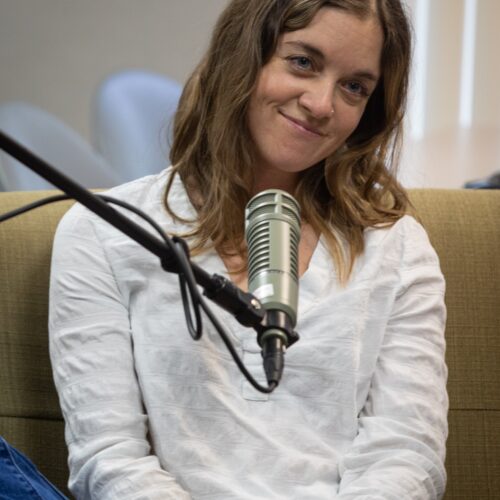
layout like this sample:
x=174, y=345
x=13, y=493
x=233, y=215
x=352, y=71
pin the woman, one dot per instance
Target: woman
x=305, y=96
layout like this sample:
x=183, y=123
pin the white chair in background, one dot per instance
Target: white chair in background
x=132, y=112
x=56, y=143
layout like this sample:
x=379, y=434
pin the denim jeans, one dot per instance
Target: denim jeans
x=20, y=479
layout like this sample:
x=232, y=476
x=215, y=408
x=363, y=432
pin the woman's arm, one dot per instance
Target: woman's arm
x=400, y=449
x=91, y=348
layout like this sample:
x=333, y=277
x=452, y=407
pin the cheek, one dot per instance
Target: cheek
x=265, y=90
x=348, y=118
x=274, y=86
x=262, y=96
x=255, y=119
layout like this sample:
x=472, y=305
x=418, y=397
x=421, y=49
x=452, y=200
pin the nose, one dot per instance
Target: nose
x=317, y=98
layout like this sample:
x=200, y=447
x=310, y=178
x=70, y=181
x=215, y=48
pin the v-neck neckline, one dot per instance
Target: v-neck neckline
x=312, y=283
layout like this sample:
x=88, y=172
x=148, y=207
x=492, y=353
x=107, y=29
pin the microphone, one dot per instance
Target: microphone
x=272, y=232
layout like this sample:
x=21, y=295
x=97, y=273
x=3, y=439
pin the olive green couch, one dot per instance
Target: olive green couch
x=464, y=227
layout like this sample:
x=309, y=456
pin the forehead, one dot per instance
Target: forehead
x=340, y=37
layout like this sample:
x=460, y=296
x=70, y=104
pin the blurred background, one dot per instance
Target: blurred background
x=55, y=55
x=453, y=132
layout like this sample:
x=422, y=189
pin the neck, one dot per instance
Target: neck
x=273, y=179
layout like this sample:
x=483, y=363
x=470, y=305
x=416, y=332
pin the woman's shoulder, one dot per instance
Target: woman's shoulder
x=405, y=242
x=143, y=193
x=405, y=229
x=146, y=194
x=408, y=241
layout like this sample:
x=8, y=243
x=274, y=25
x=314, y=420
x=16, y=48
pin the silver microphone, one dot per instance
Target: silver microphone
x=272, y=231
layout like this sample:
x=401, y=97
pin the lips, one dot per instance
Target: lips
x=303, y=126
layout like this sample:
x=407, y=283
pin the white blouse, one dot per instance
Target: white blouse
x=360, y=412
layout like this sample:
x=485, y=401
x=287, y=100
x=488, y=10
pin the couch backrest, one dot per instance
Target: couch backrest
x=464, y=227
x=30, y=417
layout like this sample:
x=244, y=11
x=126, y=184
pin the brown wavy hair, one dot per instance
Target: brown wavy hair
x=213, y=153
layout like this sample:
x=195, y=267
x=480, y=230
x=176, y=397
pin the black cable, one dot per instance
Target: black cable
x=31, y=206
x=191, y=300
x=196, y=297
x=187, y=281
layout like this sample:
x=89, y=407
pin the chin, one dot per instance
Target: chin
x=292, y=167
x=290, y=163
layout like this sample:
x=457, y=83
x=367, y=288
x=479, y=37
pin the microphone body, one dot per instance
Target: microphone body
x=272, y=231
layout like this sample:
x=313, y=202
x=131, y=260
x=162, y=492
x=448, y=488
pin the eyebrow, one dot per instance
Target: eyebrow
x=367, y=75
x=307, y=47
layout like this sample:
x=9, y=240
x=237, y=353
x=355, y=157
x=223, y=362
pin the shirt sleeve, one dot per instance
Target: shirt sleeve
x=400, y=448
x=91, y=349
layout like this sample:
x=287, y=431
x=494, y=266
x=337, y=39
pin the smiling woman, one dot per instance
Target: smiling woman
x=310, y=96
x=306, y=96
x=357, y=59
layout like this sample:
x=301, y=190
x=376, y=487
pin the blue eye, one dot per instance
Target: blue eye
x=302, y=63
x=356, y=88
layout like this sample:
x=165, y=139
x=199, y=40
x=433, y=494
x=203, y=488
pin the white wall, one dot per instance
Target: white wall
x=53, y=53
x=454, y=119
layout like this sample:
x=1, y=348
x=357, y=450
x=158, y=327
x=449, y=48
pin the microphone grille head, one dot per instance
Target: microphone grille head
x=272, y=230
x=273, y=202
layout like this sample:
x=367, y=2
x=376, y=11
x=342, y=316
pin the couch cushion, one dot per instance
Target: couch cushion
x=25, y=249
x=464, y=227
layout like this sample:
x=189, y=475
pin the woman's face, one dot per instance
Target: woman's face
x=311, y=95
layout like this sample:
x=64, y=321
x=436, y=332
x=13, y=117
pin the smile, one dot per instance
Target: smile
x=303, y=126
